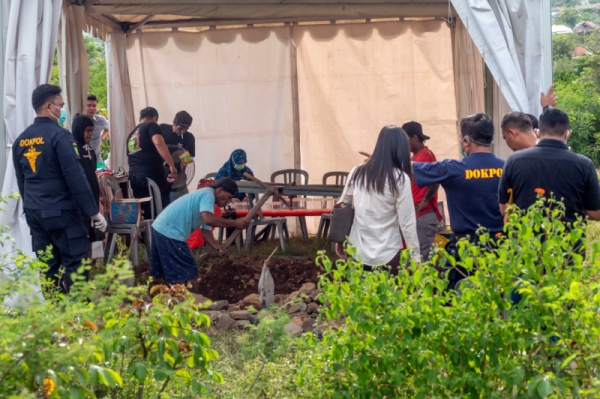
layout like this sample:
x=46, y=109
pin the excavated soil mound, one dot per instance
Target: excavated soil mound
x=236, y=277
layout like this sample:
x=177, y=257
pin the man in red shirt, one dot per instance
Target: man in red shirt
x=425, y=198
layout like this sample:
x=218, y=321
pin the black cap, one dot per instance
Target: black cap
x=414, y=129
x=226, y=184
x=183, y=119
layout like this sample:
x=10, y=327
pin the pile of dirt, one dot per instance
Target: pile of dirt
x=234, y=278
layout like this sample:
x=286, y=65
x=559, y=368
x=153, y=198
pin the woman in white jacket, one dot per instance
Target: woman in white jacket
x=384, y=212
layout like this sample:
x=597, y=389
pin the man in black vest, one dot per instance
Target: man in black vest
x=54, y=188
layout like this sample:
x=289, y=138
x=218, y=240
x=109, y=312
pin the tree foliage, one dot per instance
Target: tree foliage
x=577, y=83
x=564, y=3
x=568, y=16
x=98, y=83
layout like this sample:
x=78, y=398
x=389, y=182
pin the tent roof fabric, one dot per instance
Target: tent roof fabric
x=197, y=12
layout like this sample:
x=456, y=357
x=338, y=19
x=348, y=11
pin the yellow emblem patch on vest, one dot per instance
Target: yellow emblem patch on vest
x=483, y=173
x=31, y=156
x=28, y=142
x=76, y=149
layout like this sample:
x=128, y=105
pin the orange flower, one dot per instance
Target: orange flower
x=540, y=191
x=49, y=387
x=498, y=234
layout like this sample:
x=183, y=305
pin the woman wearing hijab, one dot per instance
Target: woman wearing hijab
x=83, y=128
x=235, y=168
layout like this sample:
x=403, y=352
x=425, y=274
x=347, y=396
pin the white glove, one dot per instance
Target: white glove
x=99, y=222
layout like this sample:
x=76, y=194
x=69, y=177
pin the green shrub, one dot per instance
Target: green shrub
x=102, y=340
x=406, y=336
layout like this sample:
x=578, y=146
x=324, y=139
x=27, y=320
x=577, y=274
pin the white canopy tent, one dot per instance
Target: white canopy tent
x=296, y=83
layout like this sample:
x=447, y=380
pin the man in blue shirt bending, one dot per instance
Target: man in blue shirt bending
x=171, y=260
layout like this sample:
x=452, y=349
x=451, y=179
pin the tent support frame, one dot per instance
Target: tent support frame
x=5, y=149
x=281, y=21
x=295, y=100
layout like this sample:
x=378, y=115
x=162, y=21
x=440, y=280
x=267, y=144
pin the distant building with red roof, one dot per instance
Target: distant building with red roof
x=579, y=51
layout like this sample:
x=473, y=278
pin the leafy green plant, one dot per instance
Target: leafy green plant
x=406, y=336
x=106, y=340
x=45, y=344
x=159, y=340
x=103, y=339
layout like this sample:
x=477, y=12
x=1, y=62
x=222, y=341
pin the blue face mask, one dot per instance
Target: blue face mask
x=239, y=167
x=63, y=116
x=462, y=153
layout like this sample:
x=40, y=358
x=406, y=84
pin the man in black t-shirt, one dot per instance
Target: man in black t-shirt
x=551, y=169
x=177, y=135
x=146, y=152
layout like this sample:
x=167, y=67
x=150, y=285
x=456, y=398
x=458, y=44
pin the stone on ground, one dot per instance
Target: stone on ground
x=219, y=305
x=225, y=322
x=252, y=300
x=292, y=296
x=307, y=288
x=241, y=324
x=297, y=308
x=308, y=325
x=213, y=314
x=314, y=294
x=199, y=299
x=312, y=308
x=293, y=329
x=240, y=315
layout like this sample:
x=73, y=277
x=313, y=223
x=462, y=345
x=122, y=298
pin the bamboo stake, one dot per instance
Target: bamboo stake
x=270, y=191
x=255, y=180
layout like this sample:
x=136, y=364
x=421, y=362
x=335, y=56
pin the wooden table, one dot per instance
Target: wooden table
x=315, y=190
x=288, y=212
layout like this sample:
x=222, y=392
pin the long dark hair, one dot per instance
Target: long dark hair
x=392, y=154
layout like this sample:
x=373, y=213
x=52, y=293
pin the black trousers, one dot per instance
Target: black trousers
x=65, y=233
x=139, y=186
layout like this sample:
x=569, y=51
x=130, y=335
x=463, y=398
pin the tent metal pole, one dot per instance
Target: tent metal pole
x=547, y=42
x=4, y=152
x=295, y=104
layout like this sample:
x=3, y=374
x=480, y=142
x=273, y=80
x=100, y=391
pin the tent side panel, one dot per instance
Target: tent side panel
x=236, y=84
x=120, y=104
x=356, y=79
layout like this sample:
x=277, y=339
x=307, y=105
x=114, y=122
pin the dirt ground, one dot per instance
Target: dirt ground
x=236, y=276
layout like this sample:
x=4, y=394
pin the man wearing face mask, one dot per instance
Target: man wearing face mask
x=550, y=168
x=471, y=183
x=53, y=187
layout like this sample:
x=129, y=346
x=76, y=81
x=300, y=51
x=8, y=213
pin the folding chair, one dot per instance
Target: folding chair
x=111, y=190
x=293, y=176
